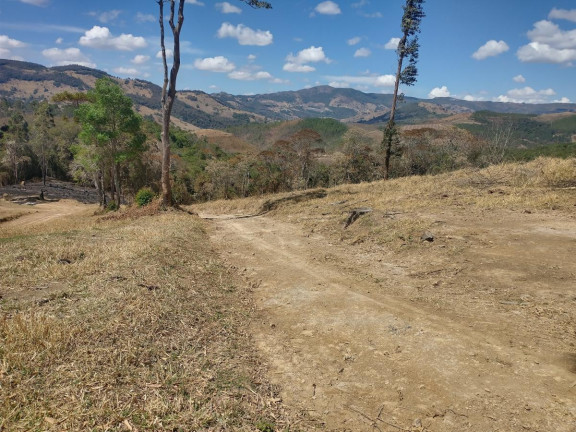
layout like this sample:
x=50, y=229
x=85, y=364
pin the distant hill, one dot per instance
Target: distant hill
x=195, y=109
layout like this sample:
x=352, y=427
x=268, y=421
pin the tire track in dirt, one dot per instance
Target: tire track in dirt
x=360, y=359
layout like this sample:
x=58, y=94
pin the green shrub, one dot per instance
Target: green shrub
x=112, y=206
x=144, y=196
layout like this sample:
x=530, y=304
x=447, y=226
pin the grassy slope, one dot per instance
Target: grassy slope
x=126, y=325
x=402, y=207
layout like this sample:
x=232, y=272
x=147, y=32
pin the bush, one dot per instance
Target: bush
x=144, y=196
x=112, y=206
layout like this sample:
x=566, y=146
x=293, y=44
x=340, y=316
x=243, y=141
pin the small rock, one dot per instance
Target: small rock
x=427, y=236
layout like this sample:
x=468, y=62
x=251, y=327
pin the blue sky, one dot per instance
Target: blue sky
x=501, y=50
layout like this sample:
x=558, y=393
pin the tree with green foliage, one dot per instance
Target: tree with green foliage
x=16, y=150
x=42, y=137
x=169, y=85
x=111, y=136
x=408, y=48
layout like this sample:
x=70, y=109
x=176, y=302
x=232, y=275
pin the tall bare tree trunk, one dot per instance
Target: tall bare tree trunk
x=169, y=92
x=390, y=130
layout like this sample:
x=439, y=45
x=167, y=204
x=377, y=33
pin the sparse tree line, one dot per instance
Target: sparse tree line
x=97, y=139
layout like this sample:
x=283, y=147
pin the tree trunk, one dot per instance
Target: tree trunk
x=389, y=132
x=169, y=93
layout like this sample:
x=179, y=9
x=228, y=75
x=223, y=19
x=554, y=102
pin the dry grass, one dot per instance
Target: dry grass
x=406, y=207
x=127, y=324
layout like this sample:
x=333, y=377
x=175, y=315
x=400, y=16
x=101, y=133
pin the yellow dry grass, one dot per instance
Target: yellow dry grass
x=406, y=207
x=126, y=324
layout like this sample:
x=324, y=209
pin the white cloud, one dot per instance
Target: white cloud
x=141, y=59
x=328, y=8
x=519, y=79
x=527, y=95
x=250, y=76
x=562, y=100
x=169, y=54
x=536, y=52
x=8, y=43
x=59, y=40
x=228, y=8
x=309, y=55
x=299, y=62
x=354, y=41
x=131, y=72
x=215, y=64
x=569, y=15
x=126, y=71
x=373, y=81
x=392, y=44
x=245, y=35
x=101, y=38
x=195, y=2
x=106, y=17
x=294, y=67
x=549, y=44
x=251, y=57
x=439, y=92
x=362, y=52
x=62, y=57
x=490, y=49
x=144, y=18
x=36, y=2
x=546, y=32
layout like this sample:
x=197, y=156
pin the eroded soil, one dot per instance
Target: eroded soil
x=473, y=331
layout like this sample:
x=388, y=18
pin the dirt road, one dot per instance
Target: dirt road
x=474, y=331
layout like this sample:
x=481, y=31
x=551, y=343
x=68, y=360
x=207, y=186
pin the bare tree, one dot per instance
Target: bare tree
x=407, y=50
x=169, y=91
x=169, y=86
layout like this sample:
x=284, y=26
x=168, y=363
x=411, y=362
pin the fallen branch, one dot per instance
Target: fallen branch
x=355, y=214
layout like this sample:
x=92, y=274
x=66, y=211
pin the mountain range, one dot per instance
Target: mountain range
x=196, y=109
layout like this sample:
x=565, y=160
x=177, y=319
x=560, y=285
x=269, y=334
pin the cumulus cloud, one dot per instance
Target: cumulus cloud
x=169, y=54
x=141, y=59
x=369, y=81
x=215, y=64
x=228, y=8
x=101, y=38
x=144, y=18
x=354, y=41
x=245, y=35
x=439, y=92
x=328, y=8
x=59, y=40
x=392, y=44
x=549, y=44
x=490, y=49
x=519, y=79
x=293, y=67
x=527, y=95
x=569, y=15
x=62, y=57
x=362, y=52
x=36, y=2
x=250, y=75
x=8, y=44
x=195, y=2
x=299, y=62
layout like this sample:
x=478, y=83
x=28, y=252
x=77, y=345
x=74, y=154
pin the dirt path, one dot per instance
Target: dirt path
x=480, y=339
x=21, y=216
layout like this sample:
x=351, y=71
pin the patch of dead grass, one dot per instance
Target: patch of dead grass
x=405, y=207
x=144, y=330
